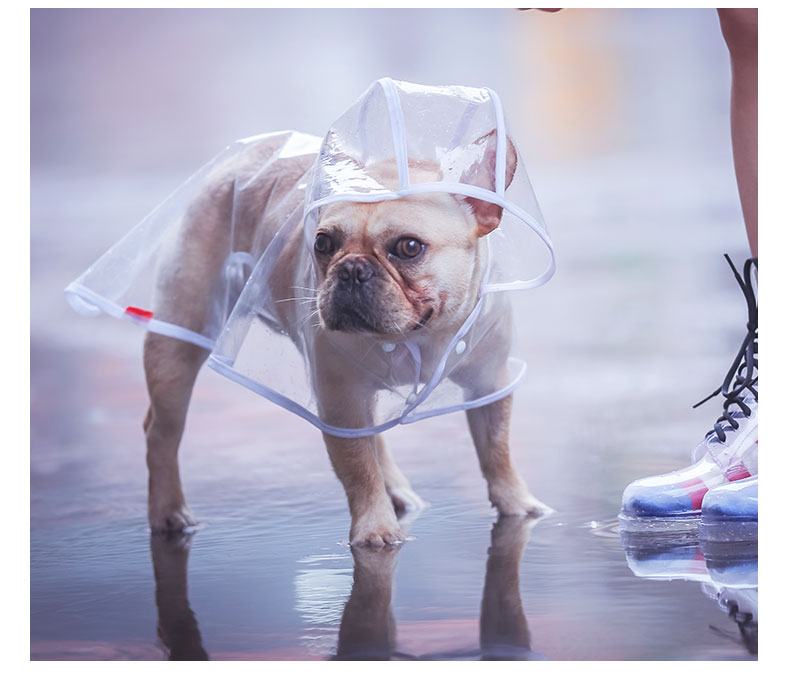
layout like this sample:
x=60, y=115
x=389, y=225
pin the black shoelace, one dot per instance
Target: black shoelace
x=741, y=378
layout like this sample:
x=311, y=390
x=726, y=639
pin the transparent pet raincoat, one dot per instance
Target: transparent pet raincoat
x=240, y=235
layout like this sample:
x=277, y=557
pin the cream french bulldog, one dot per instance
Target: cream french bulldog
x=406, y=268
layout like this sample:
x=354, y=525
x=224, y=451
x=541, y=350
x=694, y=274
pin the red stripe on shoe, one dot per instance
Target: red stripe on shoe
x=696, y=491
x=736, y=472
x=139, y=312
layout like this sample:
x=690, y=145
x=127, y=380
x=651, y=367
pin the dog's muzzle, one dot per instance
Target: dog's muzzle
x=355, y=305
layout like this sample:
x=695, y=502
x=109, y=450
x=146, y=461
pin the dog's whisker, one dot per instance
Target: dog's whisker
x=311, y=314
x=309, y=317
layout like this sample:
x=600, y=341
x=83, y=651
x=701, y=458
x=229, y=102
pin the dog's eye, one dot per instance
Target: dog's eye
x=323, y=243
x=408, y=248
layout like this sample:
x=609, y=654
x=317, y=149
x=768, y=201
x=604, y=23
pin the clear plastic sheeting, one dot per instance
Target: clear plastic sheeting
x=201, y=237
x=337, y=322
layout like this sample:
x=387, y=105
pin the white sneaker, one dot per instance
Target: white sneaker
x=728, y=453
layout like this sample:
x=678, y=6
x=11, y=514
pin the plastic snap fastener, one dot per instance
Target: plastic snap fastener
x=460, y=347
x=388, y=347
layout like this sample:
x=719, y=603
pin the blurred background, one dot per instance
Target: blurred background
x=623, y=119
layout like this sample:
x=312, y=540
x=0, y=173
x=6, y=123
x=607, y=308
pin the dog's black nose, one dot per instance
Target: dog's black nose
x=357, y=269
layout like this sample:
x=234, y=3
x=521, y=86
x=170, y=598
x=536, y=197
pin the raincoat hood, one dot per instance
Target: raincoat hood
x=262, y=321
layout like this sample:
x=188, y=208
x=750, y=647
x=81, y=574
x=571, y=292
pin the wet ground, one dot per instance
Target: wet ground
x=641, y=321
x=615, y=364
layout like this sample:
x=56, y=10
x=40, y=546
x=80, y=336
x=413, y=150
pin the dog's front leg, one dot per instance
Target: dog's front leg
x=346, y=400
x=507, y=491
x=373, y=519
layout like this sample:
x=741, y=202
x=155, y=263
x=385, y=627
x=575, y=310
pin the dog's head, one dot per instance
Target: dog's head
x=390, y=268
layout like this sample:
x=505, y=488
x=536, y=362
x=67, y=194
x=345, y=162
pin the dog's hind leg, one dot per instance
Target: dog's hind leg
x=171, y=367
x=404, y=498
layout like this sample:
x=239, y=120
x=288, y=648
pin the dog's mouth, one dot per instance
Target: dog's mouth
x=423, y=320
x=353, y=318
x=350, y=319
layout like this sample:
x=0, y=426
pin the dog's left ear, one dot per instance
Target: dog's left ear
x=482, y=174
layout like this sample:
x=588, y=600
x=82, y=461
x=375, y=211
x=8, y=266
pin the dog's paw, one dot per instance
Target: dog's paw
x=376, y=531
x=516, y=500
x=374, y=567
x=170, y=519
x=405, y=499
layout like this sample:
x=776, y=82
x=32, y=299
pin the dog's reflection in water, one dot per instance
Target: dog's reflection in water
x=367, y=628
x=177, y=626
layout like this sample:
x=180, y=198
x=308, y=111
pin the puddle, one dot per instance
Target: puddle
x=268, y=575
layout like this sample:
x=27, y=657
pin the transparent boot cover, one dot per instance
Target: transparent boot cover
x=381, y=260
x=728, y=453
x=675, y=500
x=730, y=513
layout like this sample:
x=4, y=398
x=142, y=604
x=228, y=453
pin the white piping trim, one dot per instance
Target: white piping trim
x=466, y=189
x=398, y=130
x=414, y=350
x=429, y=387
x=219, y=365
x=501, y=144
x=241, y=257
x=460, y=189
x=474, y=404
x=438, y=372
x=78, y=293
x=363, y=128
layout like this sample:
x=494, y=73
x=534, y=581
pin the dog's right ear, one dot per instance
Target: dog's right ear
x=482, y=173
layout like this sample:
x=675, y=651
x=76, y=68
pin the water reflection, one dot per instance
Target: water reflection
x=368, y=629
x=727, y=573
x=504, y=633
x=177, y=627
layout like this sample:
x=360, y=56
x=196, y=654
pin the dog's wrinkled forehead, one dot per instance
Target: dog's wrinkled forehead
x=432, y=217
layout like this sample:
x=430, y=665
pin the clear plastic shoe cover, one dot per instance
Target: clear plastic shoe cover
x=727, y=454
x=381, y=260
